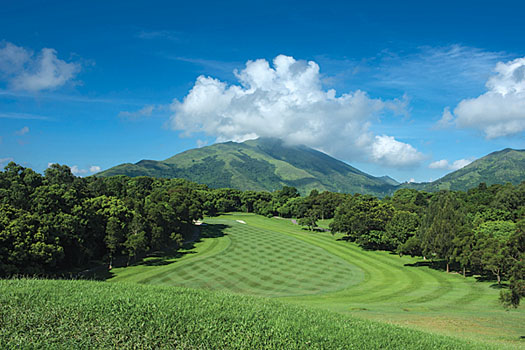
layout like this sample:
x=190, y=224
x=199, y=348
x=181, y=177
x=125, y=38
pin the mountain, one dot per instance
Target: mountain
x=262, y=164
x=499, y=167
x=268, y=164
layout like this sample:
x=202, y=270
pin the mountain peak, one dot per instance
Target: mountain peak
x=262, y=164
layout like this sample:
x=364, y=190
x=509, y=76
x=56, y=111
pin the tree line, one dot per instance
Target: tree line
x=57, y=221
x=479, y=232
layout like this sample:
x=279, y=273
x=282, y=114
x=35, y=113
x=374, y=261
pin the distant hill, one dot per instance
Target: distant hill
x=262, y=164
x=499, y=167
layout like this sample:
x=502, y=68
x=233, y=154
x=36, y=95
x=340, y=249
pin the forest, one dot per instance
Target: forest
x=57, y=222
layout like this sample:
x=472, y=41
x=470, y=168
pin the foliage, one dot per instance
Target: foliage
x=58, y=221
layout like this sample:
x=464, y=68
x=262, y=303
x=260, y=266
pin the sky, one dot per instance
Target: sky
x=409, y=89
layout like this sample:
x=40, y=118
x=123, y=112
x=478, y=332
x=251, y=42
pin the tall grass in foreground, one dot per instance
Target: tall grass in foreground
x=85, y=314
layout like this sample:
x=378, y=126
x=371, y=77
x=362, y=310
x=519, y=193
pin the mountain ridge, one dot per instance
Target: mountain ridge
x=261, y=164
x=498, y=167
x=267, y=164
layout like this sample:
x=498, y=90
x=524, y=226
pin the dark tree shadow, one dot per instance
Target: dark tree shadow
x=439, y=265
x=100, y=272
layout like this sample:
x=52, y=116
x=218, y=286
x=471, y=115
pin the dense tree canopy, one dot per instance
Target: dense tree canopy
x=57, y=221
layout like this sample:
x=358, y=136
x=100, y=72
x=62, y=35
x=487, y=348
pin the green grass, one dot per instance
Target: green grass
x=252, y=260
x=46, y=314
x=273, y=257
x=324, y=223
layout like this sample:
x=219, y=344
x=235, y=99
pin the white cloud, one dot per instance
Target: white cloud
x=24, y=70
x=460, y=163
x=146, y=111
x=439, y=164
x=94, y=169
x=201, y=143
x=500, y=111
x=446, y=119
x=444, y=164
x=286, y=100
x=77, y=171
x=22, y=131
x=386, y=150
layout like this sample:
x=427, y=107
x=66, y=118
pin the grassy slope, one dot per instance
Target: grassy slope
x=499, y=167
x=377, y=284
x=85, y=315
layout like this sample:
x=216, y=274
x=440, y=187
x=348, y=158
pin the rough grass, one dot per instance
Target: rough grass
x=273, y=257
x=48, y=314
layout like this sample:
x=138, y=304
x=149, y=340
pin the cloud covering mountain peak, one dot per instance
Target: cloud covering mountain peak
x=286, y=100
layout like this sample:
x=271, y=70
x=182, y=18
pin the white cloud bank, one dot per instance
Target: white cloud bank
x=444, y=164
x=501, y=110
x=23, y=70
x=79, y=172
x=287, y=101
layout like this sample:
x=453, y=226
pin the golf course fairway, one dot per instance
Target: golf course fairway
x=272, y=257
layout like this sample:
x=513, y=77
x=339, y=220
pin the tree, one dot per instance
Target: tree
x=309, y=220
x=57, y=174
x=464, y=246
x=493, y=238
x=360, y=215
x=517, y=264
x=443, y=220
x=400, y=228
x=137, y=242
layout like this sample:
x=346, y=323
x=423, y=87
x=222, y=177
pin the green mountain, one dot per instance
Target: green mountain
x=499, y=167
x=262, y=164
x=268, y=164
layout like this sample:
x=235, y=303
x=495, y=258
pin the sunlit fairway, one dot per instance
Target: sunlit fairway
x=254, y=260
x=275, y=258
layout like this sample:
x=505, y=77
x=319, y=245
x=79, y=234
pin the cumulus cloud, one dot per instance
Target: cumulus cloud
x=444, y=164
x=94, y=169
x=386, y=150
x=77, y=171
x=22, y=131
x=146, y=111
x=23, y=70
x=500, y=111
x=286, y=100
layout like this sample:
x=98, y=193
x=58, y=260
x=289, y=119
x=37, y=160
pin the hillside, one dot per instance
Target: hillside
x=262, y=164
x=500, y=167
x=50, y=314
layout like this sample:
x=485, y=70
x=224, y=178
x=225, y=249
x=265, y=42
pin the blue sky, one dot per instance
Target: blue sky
x=411, y=89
